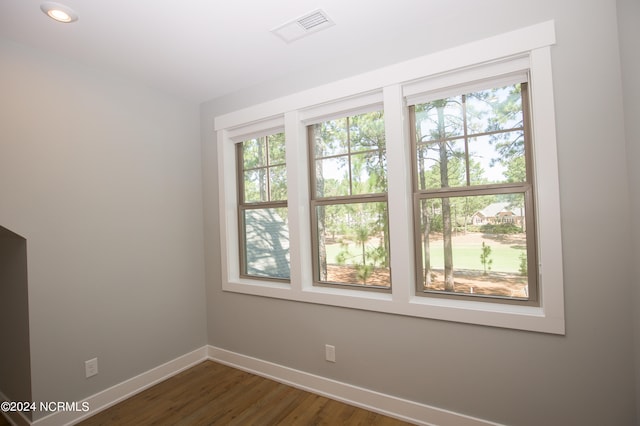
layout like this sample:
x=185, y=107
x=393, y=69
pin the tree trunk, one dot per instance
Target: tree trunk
x=321, y=218
x=261, y=177
x=424, y=216
x=446, y=204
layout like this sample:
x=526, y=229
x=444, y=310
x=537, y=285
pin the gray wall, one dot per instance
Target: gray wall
x=507, y=376
x=629, y=31
x=15, y=368
x=103, y=178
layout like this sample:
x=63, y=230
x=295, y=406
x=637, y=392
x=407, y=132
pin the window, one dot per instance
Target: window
x=264, y=234
x=428, y=188
x=349, y=201
x=475, y=228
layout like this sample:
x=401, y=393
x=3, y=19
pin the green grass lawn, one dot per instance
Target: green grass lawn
x=466, y=255
x=334, y=249
x=505, y=258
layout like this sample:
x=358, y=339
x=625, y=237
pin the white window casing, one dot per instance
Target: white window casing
x=519, y=54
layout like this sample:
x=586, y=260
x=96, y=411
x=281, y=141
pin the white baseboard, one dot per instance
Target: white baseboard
x=14, y=418
x=409, y=411
x=111, y=396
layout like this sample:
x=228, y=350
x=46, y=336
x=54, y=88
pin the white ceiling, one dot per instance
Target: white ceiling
x=203, y=49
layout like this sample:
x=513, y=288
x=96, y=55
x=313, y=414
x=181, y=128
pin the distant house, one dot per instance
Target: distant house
x=497, y=213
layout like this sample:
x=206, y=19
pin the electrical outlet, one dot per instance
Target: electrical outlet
x=91, y=367
x=330, y=353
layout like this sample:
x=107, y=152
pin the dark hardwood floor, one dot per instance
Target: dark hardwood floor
x=214, y=394
x=3, y=421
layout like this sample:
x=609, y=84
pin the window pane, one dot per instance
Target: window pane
x=353, y=244
x=278, y=183
x=441, y=165
x=494, y=109
x=254, y=153
x=255, y=185
x=276, y=149
x=366, y=131
x=369, y=173
x=439, y=119
x=330, y=138
x=266, y=243
x=474, y=245
x=497, y=158
x=332, y=177
x=350, y=156
x=264, y=172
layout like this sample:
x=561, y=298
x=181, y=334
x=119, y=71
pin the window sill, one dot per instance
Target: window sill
x=501, y=315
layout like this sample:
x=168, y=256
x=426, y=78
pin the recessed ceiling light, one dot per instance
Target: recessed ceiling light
x=59, y=12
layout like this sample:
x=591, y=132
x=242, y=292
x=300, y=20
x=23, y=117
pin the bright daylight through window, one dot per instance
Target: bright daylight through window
x=349, y=201
x=264, y=234
x=474, y=202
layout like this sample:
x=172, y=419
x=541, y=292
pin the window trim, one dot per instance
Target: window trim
x=244, y=205
x=526, y=187
x=316, y=201
x=532, y=42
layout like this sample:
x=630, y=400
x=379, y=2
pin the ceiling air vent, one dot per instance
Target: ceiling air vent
x=300, y=27
x=313, y=20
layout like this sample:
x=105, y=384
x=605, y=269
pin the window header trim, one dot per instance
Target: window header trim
x=257, y=129
x=492, y=49
x=424, y=92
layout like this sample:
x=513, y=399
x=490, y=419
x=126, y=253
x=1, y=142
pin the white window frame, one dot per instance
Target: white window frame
x=244, y=205
x=524, y=50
